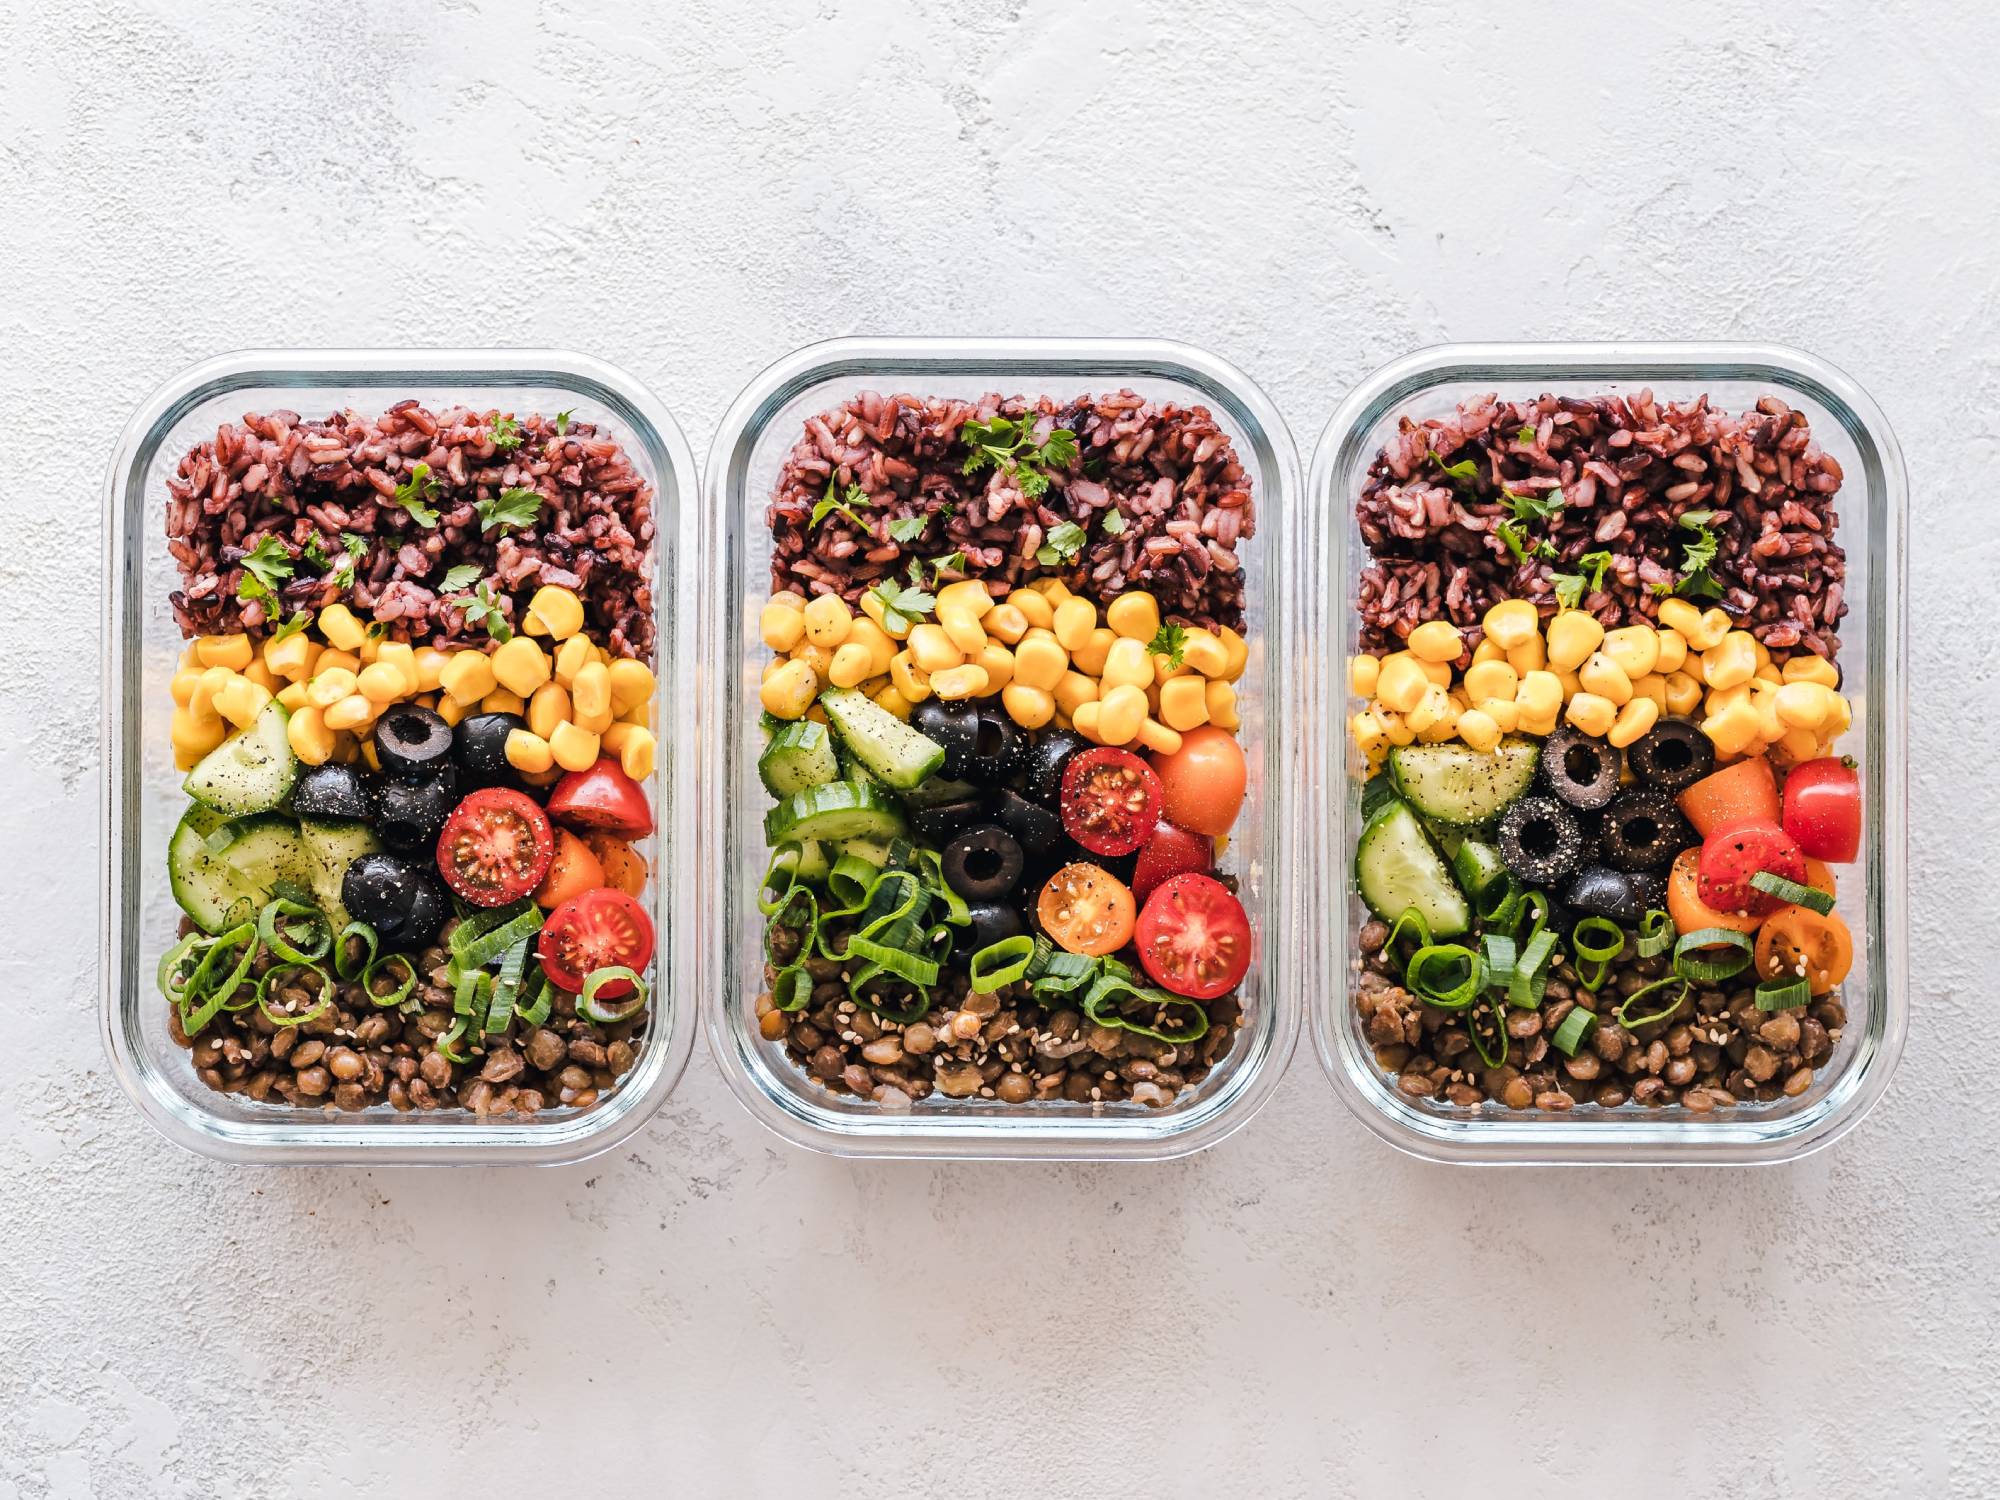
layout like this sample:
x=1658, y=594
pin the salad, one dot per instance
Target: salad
x=1604, y=801
x=414, y=721
x=1000, y=746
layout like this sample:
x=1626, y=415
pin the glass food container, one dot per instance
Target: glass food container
x=749, y=450
x=1871, y=506
x=143, y=800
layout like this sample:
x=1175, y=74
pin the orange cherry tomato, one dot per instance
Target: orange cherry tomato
x=1684, y=903
x=624, y=868
x=1746, y=792
x=572, y=871
x=1819, y=875
x=1087, y=910
x=1798, y=943
x=1203, y=781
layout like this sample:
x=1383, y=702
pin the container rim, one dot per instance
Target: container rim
x=1009, y=1136
x=411, y=1142
x=1567, y=1141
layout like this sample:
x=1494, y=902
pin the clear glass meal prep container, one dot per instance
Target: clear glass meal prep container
x=750, y=447
x=143, y=800
x=1871, y=506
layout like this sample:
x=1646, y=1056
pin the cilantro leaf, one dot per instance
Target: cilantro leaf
x=1061, y=545
x=414, y=491
x=1113, y=523
x=1569, y=589
x=1535, y=505
x=1589, y=578
x=1170, y=641
x=1032, y=482
x=1058, y=451
x=908, y=528
x=1699, y=555
x=1465, y=471
x=315, y=551
x=357, y=548
x=1595, y=563
x=902, y=606
x=1512, y=535
x=950, y=562
x=514, y=506
x=292, y=626
x=993, y=443
x=506, y=433
x=481, y=608
x=457, y=580
x=1003, y=443
x=269, y=562
x=1526, y=436
x=830, y=502
x=562, y=422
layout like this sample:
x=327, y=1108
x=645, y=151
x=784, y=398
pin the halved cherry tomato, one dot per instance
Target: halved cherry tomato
x=604, y=799
x=1823, y=809
x=1087, y=910
x=496, y=846
x=1204, y=780
x=1110, y=800
x=1798, y=943
x=1730, y=856
x=572, y=871
x=1746, y=792
x=591, y=931
x=624, y=869
x=1169, y=852
x=1819, y=875
x=1684, y=903
x=1194, y=938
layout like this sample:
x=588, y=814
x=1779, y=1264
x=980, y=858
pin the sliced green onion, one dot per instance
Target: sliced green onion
x=1497, y=1023
x=1499, y=902
x=1056, y=971
x=271, y=928
x=282, y=1018
x=381, y=965
x=542, y=1002
x=1536, y=902
x=521, y=920
x=500, y=1008
x=1409, y=924
x=170, y=966
x=1711, y=970
x=895, y=957
x=1446, y=975
x=1597, y=939
x=467, y=997
x=1785, y=994
x=1575, y=1027
x=1656, y=933
x=587, y=1004
x=1528, y=982
x=1117, y=982
x=1633, y=1023
x=447, y=1045
x=1809, y=896
x=850, y=880
x=348, y=969
x=1000, y=963
x=209, y=989
x=792, y=988
x=1501, y=955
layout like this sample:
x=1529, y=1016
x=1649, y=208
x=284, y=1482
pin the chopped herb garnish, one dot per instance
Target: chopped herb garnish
x=1589, y=578
x=481, y=608
x=315, y=551
x=1534, y=505
x=378, y=630
x=292, y=626
x=1465, y=471
x=950, y=562
x=831, y=502
x=1509, y=533
x=506, y=432
x=1526, y=436
x=903, y=607
x=1595, y=563
x=562, y=422
x=1061, y=545
x=357, y=548
x=906, y=529
x=414, y=491
x=1699, y=555
x=514, y=506
x=269, y=563
x=1569, y=589
x=460, y=578
x=1005, y=443
x=1113, y=523
x=1170, y=641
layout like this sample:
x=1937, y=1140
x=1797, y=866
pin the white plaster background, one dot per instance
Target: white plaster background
x=691, y=190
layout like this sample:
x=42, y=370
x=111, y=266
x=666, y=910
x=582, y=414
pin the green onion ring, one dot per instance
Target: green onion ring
x=894, y=958
x=1811, y=897
x=170, y=963
x=537, y=1009
x=500, y=1008
x=345, y=967
x=1538, y=903
x=1454, y=995
x=586, y=1002
x=850, y=880
x=466, y=993
x=1000, y=963
x=1656, y=933
x=1633, y=1023
x=1788, y=994
x=1605, y=951
x=446, y=1046
x=1575, y=1026
x=279, y=1018
x=520, y=921
x=1528, y=982
x=1711, y=970
x=1499, y=903
x=270, y=927
x=1419, y=929
x=1119, y=981
x=1501, y=955
x=209, y=995
x=379, y=965
x=1492, y=1012
x=791, y=988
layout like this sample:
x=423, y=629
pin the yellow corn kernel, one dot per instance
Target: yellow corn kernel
x=466, y=678
x=1085, y=721
x=1205, y=653
x=1220, y=698
x=380, y=682
x=998, y=664
x=1034, y=607
x=262, y=675
x=897, y=627
x=231, y=651
x=1074, y=621
x=1367, y=732
x=632, y=682
x=196, y=734
x=1721, y=698
x=1634, y=722
x=963, y=629
x=371, y=647
x=1591, y=714
x=1394, y=727
x=1433, y=708
x=788, y=692
x=342, y=630
x=1709, y=630
x=1729, y=661
x=191, y=655
x=351, y=712
x=1029, y=707
x=1437, y=671
x=1122, y=710
x=911, y=680
x=1401, y=682
x=1512, y=622
x=968, y=594
x=590, y=694
x=1006, y=623
x=1090, y=656
x=1803, y=705
x=520, y=666
x=183, y=686
x=828, y=619
x=1770, y=728
x=289, y=657
x=636, y=756
x=401, y=659
x=1237, y=650
x=528, y=752
x=1683, y=693
x=1504, y=712
x=1571, y=684
x=1487, y=650
x=1184, y=703
x=953, y=683
x=1039, y=662
x=1157, y=737
x=1540, y=695
x=293, y=696
x=612, y=738
x=1072, y=689
x=242, y=701
x=1672, y=652
x=1135, y=615
x=1127, y=662
x=780, y=624
x=570, y=658
x=880, y=646
x=547, y=708
x=341, y=661
x=1839, y=718
x=1768, y=672
x=1530, y=656
x=427, y=665
x=1734, y=729
x=852, y=665
x=1680, y=616
x=572, y=748
x=1573, y=636
x=329, y=686
x=1052, y=589
x=1604, y=677
x=1652, y=687
x=893, y=701
x=1437, y=640
x=1477, y=729
x=211, y=682
x=1491, y=679
x=1363, y=673
x=933, y=650
x=815, y=656
x=1808, y=667
x=1763, y=654
x=557, y=610
x=451, y=710
x=1636, y=649
x=307, y=734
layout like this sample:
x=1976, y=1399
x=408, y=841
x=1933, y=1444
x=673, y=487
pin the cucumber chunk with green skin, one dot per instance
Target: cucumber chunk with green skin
x=875, y=851
x=1457, y=784
x=838, y=810
x=250, y=772
x=332, y=845
x=220, y=887
x=1476, y=865
x=799, y=755
x=1396, y=867
x=896, y=754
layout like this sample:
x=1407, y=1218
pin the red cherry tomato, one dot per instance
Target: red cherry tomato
x=496, y=847
x=603, y=799
x=1169, y=852
x=1110, y=800
x=599, y=928
x=1194, y=938
x=1823, y=809
x=1730, y=856
x=1203, y=780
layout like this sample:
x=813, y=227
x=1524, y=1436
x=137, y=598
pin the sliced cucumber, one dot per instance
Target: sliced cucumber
x=851, y=768
x=1475, y=865
x=1396, y=867
x=799, y=755
x=938, y=791
x=813, y=861
x=897, y=754
x=838, y=810
x=250, y=772
x=875, y=851
x=220, y=884
x=332, y=846
x=1455, y=783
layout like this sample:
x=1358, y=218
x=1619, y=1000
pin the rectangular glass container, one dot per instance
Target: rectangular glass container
x=1871, y=506
x=749, y=450
x=143, y=800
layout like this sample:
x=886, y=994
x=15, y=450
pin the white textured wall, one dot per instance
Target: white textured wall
x=692, y=190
